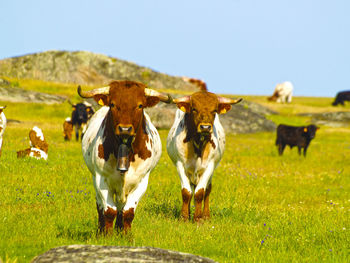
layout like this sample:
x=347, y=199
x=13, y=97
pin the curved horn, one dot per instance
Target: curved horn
x=3, y=107
x=182, y=99
x=91, y=93
x=162, y=97
x=228, y=100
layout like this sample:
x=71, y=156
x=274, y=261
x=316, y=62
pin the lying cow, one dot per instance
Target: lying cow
x=295, y=136
x=283, y=93
x=38, y=146
x=67, y=129
x=121, y=147
x=3, y=122
x=195, y=144
x=341, y=97
x=81, y=114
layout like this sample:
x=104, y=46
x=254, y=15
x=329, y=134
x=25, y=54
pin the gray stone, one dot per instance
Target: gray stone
x=112, y=254
x=332, y=119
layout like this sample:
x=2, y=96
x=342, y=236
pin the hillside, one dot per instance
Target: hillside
x=85, y=68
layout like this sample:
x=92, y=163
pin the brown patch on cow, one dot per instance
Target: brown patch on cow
x=199, y=83
x=23, y=153
x=128, y=217
x=109, y=216
x=0, y=129
x=206, y=209
x=198, y=198
x=101, y=153
x=37, y=142
x=186, y=201
x=274, y=96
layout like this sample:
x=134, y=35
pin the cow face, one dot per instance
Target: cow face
x=79, y=113
x=203, y=107
x=310, y=131
x=126, y=100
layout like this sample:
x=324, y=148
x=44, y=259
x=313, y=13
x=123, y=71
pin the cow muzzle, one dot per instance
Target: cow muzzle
x=125, y=133
x=204, y=128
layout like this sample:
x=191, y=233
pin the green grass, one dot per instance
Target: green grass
x=265, y=208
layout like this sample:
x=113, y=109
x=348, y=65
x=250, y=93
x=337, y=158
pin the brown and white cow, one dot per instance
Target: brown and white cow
x=195, y=144
x=3, y=122
x=38, y=145
x=67, y=129
x=121, y=147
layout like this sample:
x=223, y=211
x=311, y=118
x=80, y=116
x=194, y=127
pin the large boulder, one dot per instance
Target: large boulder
x=332, y=119
x=113, y=254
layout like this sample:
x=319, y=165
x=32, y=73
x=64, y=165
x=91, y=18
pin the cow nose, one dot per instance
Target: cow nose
x=125, y=129
x=205, y=127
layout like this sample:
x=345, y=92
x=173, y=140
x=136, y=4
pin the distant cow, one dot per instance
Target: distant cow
x=341, y=97
x=283, y=93
x=295, y=136
x=3, y=122
x=195, y=144
x=67, y=129
x=81, y=113
x=38, y=146
x=121, y=147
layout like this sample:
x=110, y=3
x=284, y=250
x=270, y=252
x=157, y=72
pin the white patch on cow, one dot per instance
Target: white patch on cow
x=68, y=119
x=39, y=133
x=3, y=122
x=191, y=168
x=37, y=153
x=114, y=189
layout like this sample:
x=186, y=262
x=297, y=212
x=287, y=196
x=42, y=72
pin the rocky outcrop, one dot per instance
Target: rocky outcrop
x=332, y=119
x=114, y=254
x=86, y=68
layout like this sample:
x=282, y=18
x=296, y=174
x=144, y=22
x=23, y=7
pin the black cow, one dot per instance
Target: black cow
x=295, y=136
x=81, y=113
x=341, y=97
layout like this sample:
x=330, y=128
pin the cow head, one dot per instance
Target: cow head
x=310, y=131
x=126, y=100
x=274, y=96
x=2, y=108
x=202, y=107
x=81, y=113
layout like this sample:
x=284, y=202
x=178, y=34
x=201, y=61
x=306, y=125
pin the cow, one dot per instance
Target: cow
x=3, y=122
x=120, y=148
x=283, y=93
x=299, y=136
x=81, y=114
x=195, y=144
x=38, y=146
x=67, y=129
x=341, y=97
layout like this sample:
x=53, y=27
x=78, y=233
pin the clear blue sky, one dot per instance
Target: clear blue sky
x=236, y=46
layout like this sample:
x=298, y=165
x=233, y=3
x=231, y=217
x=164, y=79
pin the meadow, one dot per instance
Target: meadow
x=264, y=207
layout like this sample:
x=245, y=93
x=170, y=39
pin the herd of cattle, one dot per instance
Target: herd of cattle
x=121, y=146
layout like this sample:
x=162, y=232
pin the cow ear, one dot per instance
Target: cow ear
x=305, y=129
x=184, y=106
x=151, y=101
x=102, y=100
x=223, y=108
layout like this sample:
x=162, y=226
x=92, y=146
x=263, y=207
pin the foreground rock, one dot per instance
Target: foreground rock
x=112, y=254
x=332, y=119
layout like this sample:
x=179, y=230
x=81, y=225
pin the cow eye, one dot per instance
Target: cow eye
x=194, y=110
x=140, y=106
x=112, y=105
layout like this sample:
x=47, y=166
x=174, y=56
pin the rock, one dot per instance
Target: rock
x=332, y=119
x=112, y=254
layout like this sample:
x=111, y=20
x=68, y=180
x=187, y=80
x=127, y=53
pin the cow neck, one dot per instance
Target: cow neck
x=198, y=140
x=111, y=142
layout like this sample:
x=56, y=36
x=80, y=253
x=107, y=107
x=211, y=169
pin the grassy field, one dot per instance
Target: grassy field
x=265, y=208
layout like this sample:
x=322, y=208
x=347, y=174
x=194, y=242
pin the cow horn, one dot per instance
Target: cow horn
x=229, y=101
x=91, y=93
x=182, y=99
x=162, y=97
x=3, y=107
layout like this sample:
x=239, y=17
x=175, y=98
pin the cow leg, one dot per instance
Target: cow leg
x=305, y=149
x=119, y=222
x=206, y=210
x=199, y=194
x=132, y=202
x=186, y=191
x=107, y=210
x=281, y=147
x=299, y=150
x=76, y=128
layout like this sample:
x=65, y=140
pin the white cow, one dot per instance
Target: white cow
x=3, y=122
x=195, y=144
x=121, y=147
x=283, y=93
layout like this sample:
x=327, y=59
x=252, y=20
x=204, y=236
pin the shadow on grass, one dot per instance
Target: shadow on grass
x=81, y=232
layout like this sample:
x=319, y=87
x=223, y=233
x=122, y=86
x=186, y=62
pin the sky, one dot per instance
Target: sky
x=236, y=46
